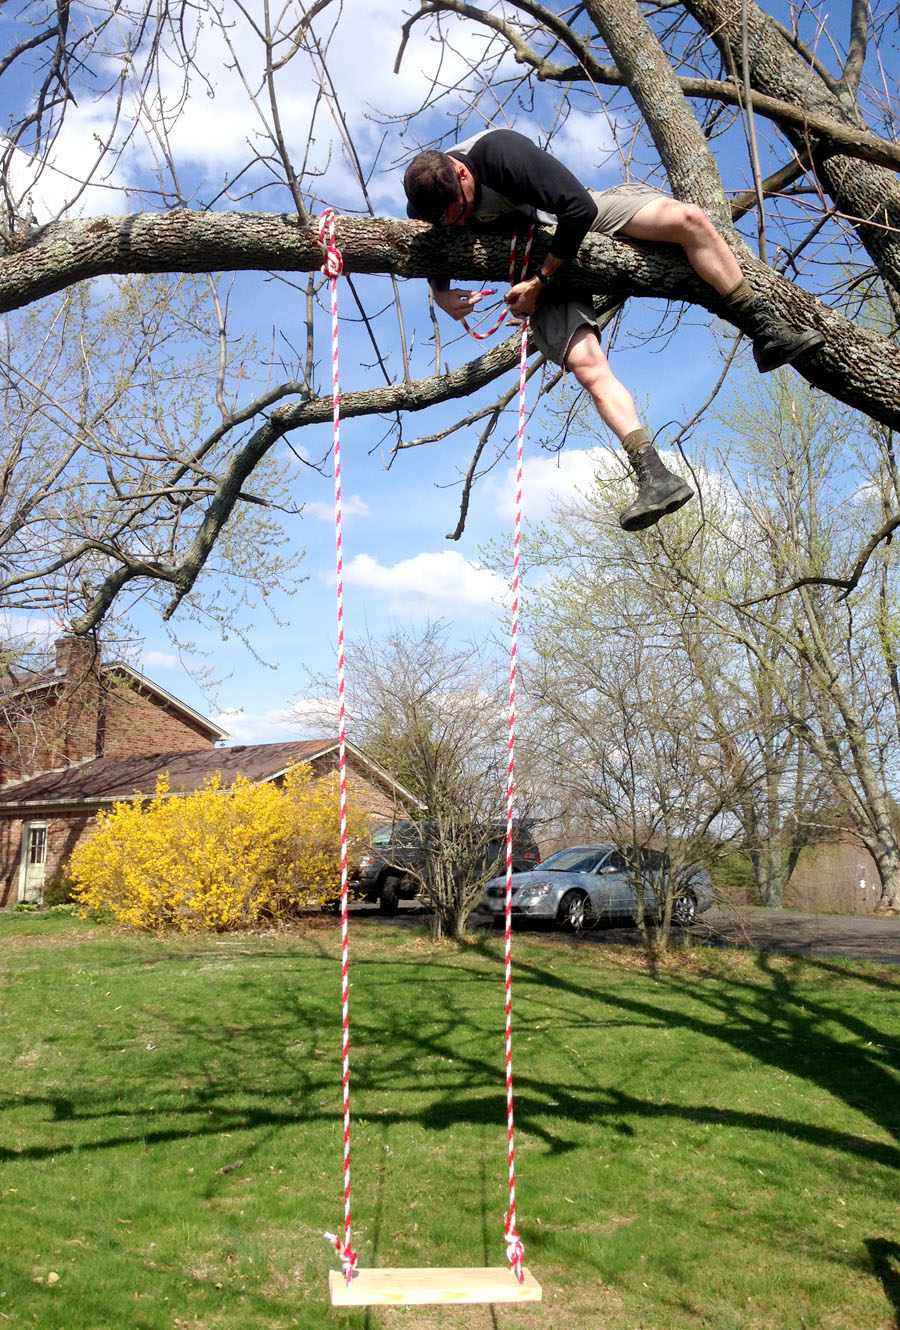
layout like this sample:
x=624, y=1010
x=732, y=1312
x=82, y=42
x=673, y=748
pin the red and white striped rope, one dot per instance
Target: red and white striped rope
x=512, y=280
x=515, y=1252
x=332, y=268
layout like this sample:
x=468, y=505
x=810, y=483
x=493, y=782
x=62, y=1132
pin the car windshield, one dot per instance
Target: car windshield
x=398, y=834
x=402, y=834
x=578, y=860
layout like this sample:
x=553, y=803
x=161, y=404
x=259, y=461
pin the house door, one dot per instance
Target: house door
x=34, y=862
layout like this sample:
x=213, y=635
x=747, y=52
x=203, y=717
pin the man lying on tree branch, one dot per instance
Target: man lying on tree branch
x=499, y=172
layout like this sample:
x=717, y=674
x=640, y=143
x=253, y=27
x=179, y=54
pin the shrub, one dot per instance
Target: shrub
x=57, y=891
x=217, y=859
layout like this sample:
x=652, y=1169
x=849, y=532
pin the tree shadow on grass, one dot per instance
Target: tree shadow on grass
x=885, y=1258
x=778, y=1023
x=260, y=1066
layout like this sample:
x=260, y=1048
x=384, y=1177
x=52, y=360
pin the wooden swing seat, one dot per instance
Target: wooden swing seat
x=404, y=1287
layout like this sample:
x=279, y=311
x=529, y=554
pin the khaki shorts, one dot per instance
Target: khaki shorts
x=555, y=323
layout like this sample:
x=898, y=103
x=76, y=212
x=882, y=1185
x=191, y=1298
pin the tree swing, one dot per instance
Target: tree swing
x=351, y=1286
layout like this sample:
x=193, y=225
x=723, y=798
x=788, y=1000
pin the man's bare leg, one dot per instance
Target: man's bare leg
x=684, y=224
x=674, y=223
x=615, y=405
x=660, y=491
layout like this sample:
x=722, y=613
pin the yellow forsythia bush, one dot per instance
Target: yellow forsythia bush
x=220, y=858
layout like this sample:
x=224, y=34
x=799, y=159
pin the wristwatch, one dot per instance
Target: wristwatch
x=543, y=277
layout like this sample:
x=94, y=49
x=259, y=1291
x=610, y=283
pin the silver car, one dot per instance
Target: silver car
x=586, y=883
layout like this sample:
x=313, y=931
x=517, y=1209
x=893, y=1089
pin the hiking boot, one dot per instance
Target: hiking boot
x=774, y=344
x=660, y=491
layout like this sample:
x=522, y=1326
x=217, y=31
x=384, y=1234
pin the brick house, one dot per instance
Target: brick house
x=87, y=733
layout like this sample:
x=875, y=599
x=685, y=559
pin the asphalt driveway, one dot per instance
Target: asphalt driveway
x=856, y=936
x=793, y=932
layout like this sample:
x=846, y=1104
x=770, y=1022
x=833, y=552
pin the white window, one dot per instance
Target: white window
x=37, y=846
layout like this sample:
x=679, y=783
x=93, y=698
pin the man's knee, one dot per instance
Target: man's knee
x=693, y=224
x=584, y=354
x=672, y=221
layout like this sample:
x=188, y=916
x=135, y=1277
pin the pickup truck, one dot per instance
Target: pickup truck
x=396, y=863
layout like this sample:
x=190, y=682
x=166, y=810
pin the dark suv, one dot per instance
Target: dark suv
x=397, y=863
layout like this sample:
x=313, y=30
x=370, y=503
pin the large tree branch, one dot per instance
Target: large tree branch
x=856, y=365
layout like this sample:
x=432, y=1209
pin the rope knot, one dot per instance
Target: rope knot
x=515, y=1252
x=334, y=263
x=480, y=336
x=346, y=1253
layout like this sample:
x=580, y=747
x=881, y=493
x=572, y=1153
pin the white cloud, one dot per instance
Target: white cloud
x=352, y=506
x=218, y=121
x=548, y=482
x=315, y=716
x=309, y=719
x=209, y=124
x=161, y=660
x=36, y=628
x=50, y=188
x=253, y=727
x=581, y=141
x=428, y=582
x=212, y=128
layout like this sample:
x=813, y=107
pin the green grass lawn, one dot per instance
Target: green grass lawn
x=713, y=1145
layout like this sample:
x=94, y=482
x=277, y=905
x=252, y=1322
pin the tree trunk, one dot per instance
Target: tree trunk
x=682, y=146
x=768, y=867
x=888, y=864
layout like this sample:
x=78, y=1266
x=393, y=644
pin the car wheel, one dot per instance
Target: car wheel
x=684, y=910
x=389, y=899
x=573, y=910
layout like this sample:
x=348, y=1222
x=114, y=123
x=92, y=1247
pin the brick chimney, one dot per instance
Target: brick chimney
x=75, y=657
x=80, y=707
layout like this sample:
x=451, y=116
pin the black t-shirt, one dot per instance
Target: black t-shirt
x=512, y=174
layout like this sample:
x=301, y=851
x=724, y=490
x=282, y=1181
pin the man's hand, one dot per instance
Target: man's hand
x=459, y=304
x=522, y=297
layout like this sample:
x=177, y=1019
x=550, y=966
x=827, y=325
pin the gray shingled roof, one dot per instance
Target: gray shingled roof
x=107, y=778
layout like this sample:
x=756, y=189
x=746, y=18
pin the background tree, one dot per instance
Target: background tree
x=626, y=725
x=111, y=451
x=436, y=718
x=797, y=667
x=20, y=719
x=635, y=625
x=801, y=518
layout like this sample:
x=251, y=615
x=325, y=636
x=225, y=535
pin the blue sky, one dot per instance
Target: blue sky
x=399, y=566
